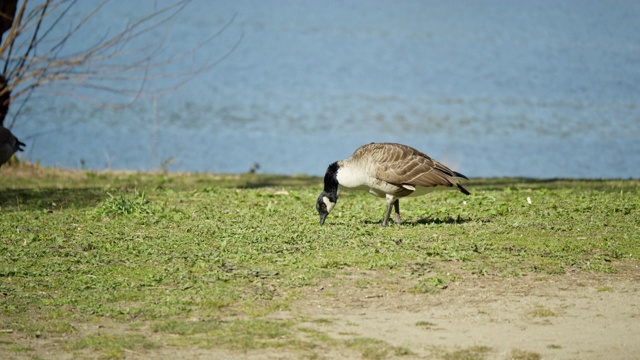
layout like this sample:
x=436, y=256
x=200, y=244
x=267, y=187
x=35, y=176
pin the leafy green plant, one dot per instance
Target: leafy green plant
x=125, y=204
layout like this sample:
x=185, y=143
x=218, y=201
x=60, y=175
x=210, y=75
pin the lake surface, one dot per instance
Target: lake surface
x=491, y=88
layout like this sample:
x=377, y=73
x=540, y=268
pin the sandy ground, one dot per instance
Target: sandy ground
x=572, y=316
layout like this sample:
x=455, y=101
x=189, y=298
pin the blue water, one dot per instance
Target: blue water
x=491, y=88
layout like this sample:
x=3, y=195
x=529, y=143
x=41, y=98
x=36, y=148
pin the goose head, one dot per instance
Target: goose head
x=324, y=205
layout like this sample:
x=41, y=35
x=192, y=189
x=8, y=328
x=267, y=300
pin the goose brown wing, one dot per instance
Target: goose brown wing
x=401, y=164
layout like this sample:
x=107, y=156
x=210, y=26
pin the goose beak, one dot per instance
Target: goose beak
x=322, y=218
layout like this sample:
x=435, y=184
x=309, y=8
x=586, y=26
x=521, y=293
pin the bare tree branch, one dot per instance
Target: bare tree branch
x=35, y=58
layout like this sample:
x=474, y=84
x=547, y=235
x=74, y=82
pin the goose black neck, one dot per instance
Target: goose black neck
x=331, y=179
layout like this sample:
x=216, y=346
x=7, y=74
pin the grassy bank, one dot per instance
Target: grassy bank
x=156, y=251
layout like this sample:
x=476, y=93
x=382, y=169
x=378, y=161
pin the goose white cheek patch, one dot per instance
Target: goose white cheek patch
x=329, y=204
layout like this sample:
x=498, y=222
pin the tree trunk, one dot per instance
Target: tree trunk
x=7, y=14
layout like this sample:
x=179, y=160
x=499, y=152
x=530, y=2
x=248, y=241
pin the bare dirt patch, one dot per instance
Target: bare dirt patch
x=571, y=316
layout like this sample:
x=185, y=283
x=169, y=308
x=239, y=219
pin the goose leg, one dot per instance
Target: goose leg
x=391, y=202
x=396, y=206
x=387, y=214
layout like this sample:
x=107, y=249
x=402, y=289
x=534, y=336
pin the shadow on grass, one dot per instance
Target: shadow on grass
x=423, y=221
x=438, y=221
x=50, y=198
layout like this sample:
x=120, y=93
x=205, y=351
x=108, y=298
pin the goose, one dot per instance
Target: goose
x=387, y=170
x=9, y=144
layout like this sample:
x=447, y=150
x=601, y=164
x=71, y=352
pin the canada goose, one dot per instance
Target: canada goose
x=8, y=145
x=386, y=170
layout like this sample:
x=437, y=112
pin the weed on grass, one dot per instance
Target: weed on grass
x=135, y=204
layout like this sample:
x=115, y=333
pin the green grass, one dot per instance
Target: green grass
x=80, y=247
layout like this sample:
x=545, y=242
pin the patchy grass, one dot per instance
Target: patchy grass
x=541, y=313
x=517, y=354
x=234, y=334
x=470, y=353
x=604, y=288
x=375, y=349
x=425, y=324
x=111, y=346
x=229, y=250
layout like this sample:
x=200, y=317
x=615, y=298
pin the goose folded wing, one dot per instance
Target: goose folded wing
x=416, y=171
